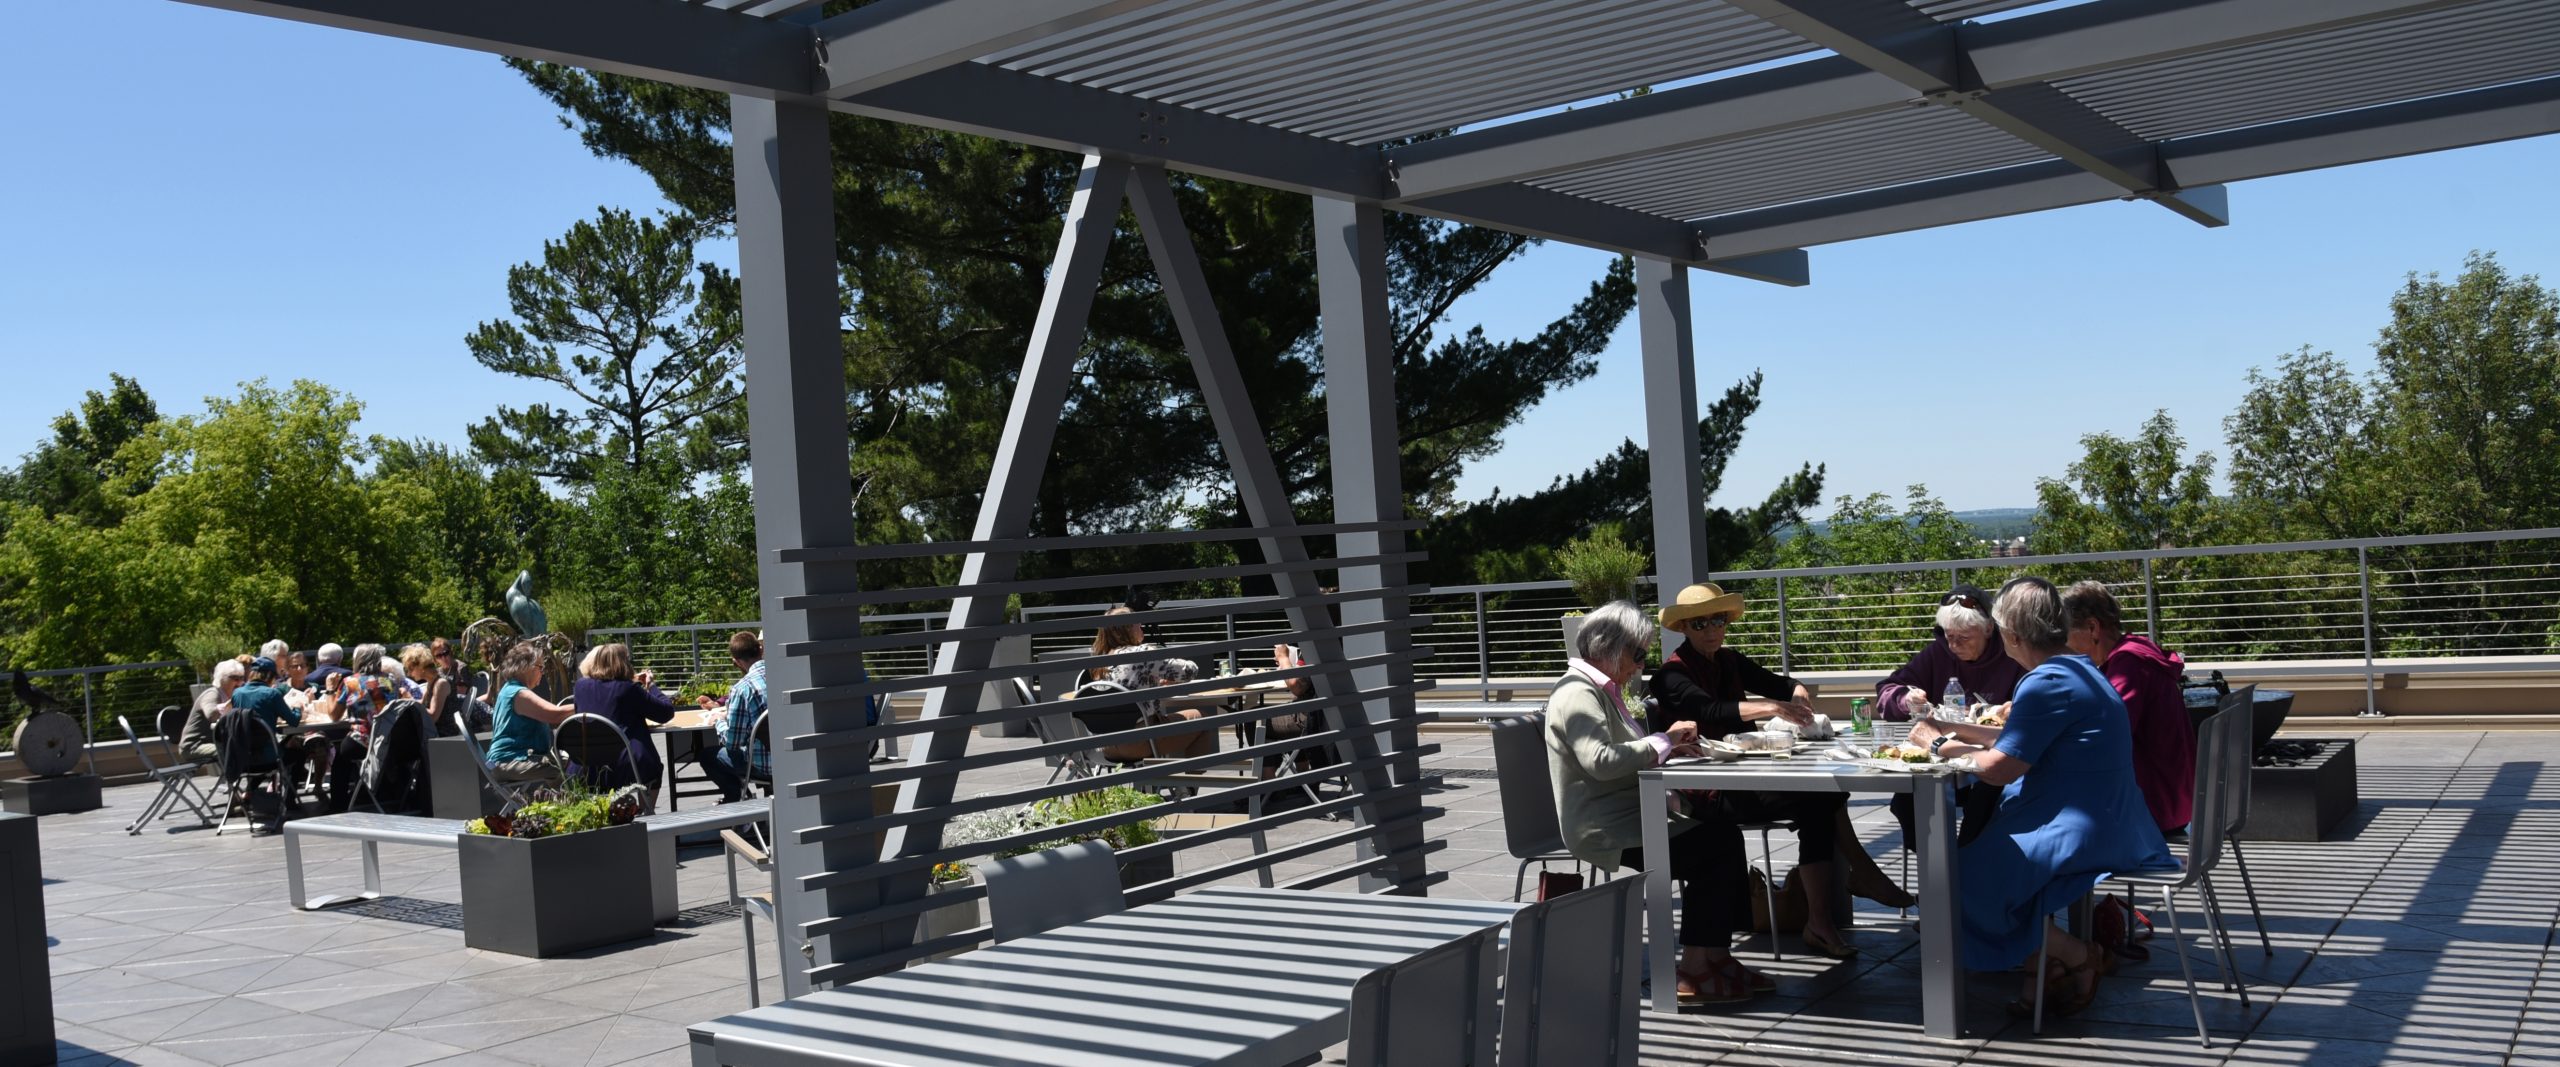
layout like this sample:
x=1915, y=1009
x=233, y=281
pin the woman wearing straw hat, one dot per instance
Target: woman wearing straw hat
x=1726, y=692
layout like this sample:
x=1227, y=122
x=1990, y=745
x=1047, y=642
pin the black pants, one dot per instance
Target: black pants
x=1714, y=902
x=1816, y=817
x=1974, y=804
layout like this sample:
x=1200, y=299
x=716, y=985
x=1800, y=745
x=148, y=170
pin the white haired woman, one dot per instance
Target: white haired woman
x=2069, y=811
x=1595, y=747
x=1965, y=651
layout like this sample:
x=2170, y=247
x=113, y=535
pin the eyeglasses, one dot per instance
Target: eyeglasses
x=1710, y=622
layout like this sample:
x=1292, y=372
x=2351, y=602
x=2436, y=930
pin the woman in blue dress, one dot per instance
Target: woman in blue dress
x=2069, y=811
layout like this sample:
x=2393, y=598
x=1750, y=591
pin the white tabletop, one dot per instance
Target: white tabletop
x=1217, y=976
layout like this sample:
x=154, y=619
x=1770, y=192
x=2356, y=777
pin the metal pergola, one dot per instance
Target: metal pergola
x=1773, y=125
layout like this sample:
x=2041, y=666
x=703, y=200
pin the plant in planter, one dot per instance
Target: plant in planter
x=208, y=644
x=1602, y=567
x=565, y=871
x=1077, y=807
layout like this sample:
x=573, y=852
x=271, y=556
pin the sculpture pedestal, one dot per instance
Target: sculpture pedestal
x=59, y=794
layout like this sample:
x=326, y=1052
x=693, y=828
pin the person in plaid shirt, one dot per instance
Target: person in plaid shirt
x=739, y=756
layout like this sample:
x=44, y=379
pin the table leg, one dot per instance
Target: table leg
x=372, y=871
x=1654, y=812
x=1941, y=972
x=293, y=865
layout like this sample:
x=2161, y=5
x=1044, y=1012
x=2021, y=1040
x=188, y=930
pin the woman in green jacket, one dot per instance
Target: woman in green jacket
x=1596, y=745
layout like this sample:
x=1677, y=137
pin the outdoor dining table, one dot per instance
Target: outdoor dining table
x=1227, y=976
x=1933, y=842
x=700, y=734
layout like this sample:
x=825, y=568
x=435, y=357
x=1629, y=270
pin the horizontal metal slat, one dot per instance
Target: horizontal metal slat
x=1197, y=649
x=817, y=601
x=1051, y=623
x=858, y=553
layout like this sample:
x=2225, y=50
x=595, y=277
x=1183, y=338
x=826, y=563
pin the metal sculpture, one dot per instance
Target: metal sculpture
x=524, y=609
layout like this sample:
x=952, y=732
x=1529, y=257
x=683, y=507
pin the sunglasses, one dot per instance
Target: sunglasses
x=1960, y=598
x=1710, y=622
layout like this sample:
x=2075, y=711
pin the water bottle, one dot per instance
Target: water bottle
x=1953, y=707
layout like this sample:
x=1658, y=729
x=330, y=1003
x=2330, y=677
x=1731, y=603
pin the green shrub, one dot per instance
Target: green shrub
x=1601, y=566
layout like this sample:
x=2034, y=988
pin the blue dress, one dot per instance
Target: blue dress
x=2076, y=814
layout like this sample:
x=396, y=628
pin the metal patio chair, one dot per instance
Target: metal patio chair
x=1570, y=987
x=1043, y=890
x=1435, y=1009
x=177, y=777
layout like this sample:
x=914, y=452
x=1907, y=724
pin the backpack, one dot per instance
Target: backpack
x=243, y=746
x=395, y=763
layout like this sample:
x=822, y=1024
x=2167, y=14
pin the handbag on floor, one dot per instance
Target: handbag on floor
x=1553, y=884
x=1791, y=903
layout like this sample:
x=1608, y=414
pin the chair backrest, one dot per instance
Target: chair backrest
x=2204, y=829
x=1042, y=890
x=1570, y=989
x=1108, y=718
x=1435, y=1009
x=172, y=724
x=2238, y=755
x=1056, y=684
x=139, y=752
x=591, y=741
x=1529, y=824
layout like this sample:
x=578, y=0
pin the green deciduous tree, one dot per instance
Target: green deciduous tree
x=67, y=474
x=643, y=338
x=2129, y=493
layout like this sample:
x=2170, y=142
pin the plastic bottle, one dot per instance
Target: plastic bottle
x=1858, y=716
x=1954, y=705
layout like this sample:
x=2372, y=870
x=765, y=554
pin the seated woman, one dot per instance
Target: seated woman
x=2146, y=676
x=1147, y=674
x=520, y=745
x=1595, y=748
x=1965, y=651
x=2069, y=809
x=1706, y=683
x=606, y=686
x=195, y=740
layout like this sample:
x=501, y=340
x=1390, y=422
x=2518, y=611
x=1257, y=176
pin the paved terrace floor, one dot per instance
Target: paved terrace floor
x=2421, y=933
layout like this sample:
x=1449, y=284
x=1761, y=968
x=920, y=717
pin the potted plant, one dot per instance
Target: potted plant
x=202, y=647
x=1077, y=807
x=567, y=870
x=1602, y=567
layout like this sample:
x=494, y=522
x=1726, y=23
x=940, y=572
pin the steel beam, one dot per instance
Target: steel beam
x=1896, y=40
x=2456, y=120
x=803, y=493
x=1671, y=424
x=2088, y=38
x=881, y=43
x=1368, y=484
x=663, y=40
x=1010, y=105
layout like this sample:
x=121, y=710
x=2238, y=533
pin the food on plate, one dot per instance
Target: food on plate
x=1905, y=754
x=1993, y=716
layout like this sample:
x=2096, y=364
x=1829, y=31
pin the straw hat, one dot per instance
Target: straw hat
x=1704, y=598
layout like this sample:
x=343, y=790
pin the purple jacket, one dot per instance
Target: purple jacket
x=1990, y=679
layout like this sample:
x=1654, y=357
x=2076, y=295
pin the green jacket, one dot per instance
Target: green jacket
x=1593, y=755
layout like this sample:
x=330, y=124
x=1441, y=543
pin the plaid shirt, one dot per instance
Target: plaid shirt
x=746, y=705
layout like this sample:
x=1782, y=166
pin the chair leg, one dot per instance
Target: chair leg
x=135, y=827
x=2044, y=955
x=2251, y=888
x=1905, y=911
x=1520, y=883
x=2232, y=980
x=1769, y=885
x=747, y=922
x=2186, y=968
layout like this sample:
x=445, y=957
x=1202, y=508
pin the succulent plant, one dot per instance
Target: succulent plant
x=531, y=824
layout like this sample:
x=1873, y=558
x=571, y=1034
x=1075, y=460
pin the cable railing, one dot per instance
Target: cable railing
x=2449, y=597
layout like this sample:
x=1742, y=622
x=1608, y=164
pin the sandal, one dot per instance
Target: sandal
x=2064, y=995
x=1836, y=947
x=1713, y=986
x=1754, y=980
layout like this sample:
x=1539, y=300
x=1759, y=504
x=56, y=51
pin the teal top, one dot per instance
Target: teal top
x=518, y=737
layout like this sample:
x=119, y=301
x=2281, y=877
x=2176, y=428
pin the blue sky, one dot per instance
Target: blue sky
x=237, y=197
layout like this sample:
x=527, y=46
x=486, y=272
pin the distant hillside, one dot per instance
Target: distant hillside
x=1987, y=523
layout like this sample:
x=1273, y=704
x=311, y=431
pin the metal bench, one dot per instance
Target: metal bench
x=666, y=827
x=372, y=830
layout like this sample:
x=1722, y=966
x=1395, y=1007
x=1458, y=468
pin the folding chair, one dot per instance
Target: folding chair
x=1569, y=992
x=1043, y=890
x=589, y=744
x=1433, y=1010
x=229, y=766
x=2204, y=851
x=2239, y=759
x=177, y=779
x=511, y=793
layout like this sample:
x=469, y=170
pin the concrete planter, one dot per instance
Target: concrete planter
x=2306, y=801
x=549, y=896
x=455, y=789
x=951, y=919
x=1142, y=872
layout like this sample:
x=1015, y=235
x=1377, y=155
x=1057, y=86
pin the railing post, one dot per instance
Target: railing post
x=692, y=655
x=2150, y=601
x=1231, y=635
x=2364, y=583
x=89, y=719
x=1786, y=654
x=1484, y=646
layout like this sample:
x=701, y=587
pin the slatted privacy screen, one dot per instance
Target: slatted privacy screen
x=1361, y=673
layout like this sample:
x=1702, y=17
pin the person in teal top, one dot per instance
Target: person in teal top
x=2070, y=809
x=520, y=749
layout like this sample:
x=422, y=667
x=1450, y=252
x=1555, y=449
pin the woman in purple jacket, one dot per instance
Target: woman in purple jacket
x=1967, y=651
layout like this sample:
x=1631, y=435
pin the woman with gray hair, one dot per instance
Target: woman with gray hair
x=1595, y=747
x=2069, y=810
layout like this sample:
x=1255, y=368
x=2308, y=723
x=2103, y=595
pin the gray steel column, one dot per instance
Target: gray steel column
x=1368, y=483
x=1671, y=424
x=803, y=496
x=1013, y=484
